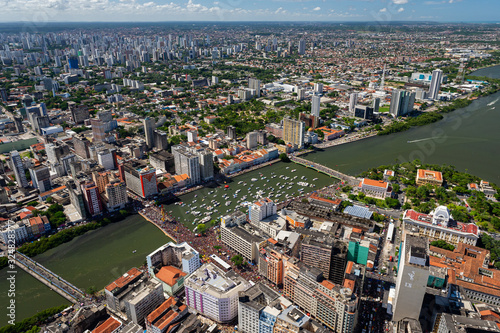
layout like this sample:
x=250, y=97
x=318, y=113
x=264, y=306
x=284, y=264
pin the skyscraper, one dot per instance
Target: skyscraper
x=437, y=76
x=353, y=100
x=315, y=103
x=78, y=112
x=293, y=132
x=40, y=176
x=255, y=85
x=302, y=47
x=401, y=102
x=92, y=198
x=149, y=126
x=98, y=130
x=17, y=165
x=231, y=132
x=318, y=87
x=413, y=274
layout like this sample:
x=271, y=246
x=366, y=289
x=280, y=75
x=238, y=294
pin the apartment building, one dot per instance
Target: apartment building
x=243, y=239
x=214, y=293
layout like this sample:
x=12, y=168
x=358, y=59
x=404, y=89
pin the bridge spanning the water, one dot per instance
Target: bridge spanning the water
x=349, y=180
x=50, y=279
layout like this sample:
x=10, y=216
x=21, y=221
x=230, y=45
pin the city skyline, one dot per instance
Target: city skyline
x=238, y=10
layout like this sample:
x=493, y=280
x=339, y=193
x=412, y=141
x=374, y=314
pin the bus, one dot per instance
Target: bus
x=390, y=232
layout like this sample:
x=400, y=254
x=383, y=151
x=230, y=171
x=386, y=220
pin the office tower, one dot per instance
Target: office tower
x=187, y=162
x=101, y=179
x=258, y=308
x=163, y=160
x=402, y=102
x=160, y=139
x=73, y=62
x=140, y=179
x=376, y=104
x=78, y=112
x=76, y=198
x=302, y=47
x=206, y=159
x=92, y=198
x=301, y=94
x=252, y=139
x=315, y=104
x=40, y=176
x=293, y=132
x=231, y=132
x=353, y=100
x=261, y=209
x=98, y=130
x=17, y=165
x=19, y=124
x=437, y=76
x=326, y=254
x=106, y=159
x=81, y=145
x=363, y=111
x=149, y=126
x=413, y=274
x=214, y=292
x=41, y=122
x=255, y=85
x=116, y=194
x=3, y=95
x=318, y=87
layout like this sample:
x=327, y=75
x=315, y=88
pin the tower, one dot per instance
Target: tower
x=412, y=278
x=149, y=126
x=315, y=103
x=17, y=165
x=353, y=100
x=437, y=76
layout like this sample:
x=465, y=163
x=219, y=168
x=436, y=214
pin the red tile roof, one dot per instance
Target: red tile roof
x=124, y=279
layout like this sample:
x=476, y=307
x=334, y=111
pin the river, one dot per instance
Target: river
x=93, y=259
x=466, y=138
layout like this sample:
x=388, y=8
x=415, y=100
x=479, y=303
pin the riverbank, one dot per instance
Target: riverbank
x=159, y=227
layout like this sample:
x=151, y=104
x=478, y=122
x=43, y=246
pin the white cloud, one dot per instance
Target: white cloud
x=383, y=10
x=401, y=10
x=317, y=8
x=400, y=2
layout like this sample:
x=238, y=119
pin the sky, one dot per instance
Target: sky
x=249, y=10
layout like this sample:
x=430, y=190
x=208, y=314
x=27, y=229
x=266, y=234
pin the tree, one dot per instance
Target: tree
x=284, y=158
x=392, y=203
x=237, y=260
x=443, y=245
x=201, y=228
x=49, y=200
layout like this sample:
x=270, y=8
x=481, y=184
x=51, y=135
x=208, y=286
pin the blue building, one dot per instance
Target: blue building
x=73, y=62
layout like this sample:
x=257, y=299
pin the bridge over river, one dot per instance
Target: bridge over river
x=50, y=279
x=349, y=180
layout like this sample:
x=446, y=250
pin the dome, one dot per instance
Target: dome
x=310, y=129
x=441, y=215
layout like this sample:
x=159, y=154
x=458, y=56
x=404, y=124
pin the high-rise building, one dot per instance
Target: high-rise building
x=326, y=254
x=116, y=195
x=81, y=145
x=301, y=94
x=76, y=198
x=353, y=100
x=160, y=139
x=98, y=130
x=171, y=263
x=19, y=124
x=92, y=198
x=318, y=87
x=376, y=104
x=40, y=176
x=3, y=95
x=18, y=167
x=231, y=132
x=149, y=126
x=189, y=162
x=302, y=47
x=413, y=275
x=101, y=179
x=261, y=209
x=214, y=293
x=254, y=84
x=78, y=112
x=402, y=102
x=105, y=158
x=437, y=76
x=293, y=132
x=163, y=160
x=252, y=139
x=315, y=104
x=140, y=179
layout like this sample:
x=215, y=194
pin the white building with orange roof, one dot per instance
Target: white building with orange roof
x=375, y=188
x=431, y=177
